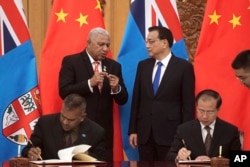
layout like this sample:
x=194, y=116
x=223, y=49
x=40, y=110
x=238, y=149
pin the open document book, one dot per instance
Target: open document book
x=71, y=154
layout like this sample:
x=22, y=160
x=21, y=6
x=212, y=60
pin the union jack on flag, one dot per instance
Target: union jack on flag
x=19, y=94
x=144, y=14
x=162, y=13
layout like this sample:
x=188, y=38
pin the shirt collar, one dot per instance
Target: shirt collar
x=91, y=58
x=164, y=61
x=211, y=125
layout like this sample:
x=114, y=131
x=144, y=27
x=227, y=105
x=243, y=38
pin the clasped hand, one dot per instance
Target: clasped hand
x=98, y=78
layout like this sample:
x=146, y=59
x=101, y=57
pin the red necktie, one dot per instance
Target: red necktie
x=96, y=69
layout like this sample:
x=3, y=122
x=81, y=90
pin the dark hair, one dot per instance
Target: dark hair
x=75, y=101
x=242, y=60
x=211, y=93
x=164, y=33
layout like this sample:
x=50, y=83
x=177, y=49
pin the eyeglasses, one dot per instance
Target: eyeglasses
x=208, y=112
x=151, y=41
x=242, y=79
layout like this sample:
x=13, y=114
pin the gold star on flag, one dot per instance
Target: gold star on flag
x=61, y=16
x=98, y=6
x=235, y=21
x=214, y=18
x=82, y=19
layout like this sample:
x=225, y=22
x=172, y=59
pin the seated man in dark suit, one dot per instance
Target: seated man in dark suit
x=201, y=139
x=68, y=128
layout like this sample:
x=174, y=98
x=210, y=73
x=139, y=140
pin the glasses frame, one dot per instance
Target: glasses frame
x=152, y=41
x=207, y=112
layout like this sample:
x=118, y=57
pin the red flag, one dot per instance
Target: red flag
x=69, y=25
x=117, y=139
x=225, y=32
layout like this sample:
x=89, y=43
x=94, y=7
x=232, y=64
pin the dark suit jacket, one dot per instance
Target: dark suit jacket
x=225, y=135
x=73, y=78
x=173, y=104
x=48, y=135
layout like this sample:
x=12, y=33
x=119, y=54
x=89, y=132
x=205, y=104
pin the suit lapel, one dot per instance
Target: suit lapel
x=106, y=68
x=58, y=135
x=148, y=75
x=198, y=137
x=83, y=131
x=216, y=137
x=87, y=64
x=168, y=72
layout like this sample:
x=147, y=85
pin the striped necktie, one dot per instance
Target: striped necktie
x=96, y=69
x=208, y=139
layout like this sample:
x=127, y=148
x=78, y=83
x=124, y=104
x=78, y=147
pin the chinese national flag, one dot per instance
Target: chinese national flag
x=225, y=32
x=68, y=28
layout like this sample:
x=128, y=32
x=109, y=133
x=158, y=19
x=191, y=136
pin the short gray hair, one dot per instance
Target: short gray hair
x=95, y=31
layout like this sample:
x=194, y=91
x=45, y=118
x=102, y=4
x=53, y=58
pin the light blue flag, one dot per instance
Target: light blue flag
x=144, y=14
x=19, y=94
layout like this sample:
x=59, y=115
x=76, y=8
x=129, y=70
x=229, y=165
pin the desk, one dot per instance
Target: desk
x=117, y=164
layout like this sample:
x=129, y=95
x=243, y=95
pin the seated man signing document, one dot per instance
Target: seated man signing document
x=68, y=128
x=206, y=137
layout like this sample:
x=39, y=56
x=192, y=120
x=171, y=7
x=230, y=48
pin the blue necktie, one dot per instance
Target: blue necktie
x=157, y=77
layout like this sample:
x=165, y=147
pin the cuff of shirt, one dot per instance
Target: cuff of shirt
x=119, y=90
x=90, y=87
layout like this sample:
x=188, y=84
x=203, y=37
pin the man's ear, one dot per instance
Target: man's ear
x=83, y=116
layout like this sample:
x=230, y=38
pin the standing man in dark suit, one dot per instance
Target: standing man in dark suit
x=241, y=67
x=97, y=78
x=192, y=137
x=155, y=114
x=68, y=128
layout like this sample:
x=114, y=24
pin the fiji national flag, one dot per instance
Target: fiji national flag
x=19, y=93
x=144, y=14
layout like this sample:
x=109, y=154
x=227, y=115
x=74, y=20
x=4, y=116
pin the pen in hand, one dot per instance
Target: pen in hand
x=34, y=146
x=183, y=142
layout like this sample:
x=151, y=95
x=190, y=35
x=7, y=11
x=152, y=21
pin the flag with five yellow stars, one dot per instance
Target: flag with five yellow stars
x=225, y=32
x=68, y=28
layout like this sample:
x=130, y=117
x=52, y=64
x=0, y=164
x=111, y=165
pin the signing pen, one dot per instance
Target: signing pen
x=34, y=146
x=183, y=142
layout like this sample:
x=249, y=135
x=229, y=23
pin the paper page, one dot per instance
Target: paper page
x=67, y=153
x=58, y=162
x=194, y=162
x=85, y=158
x=49, y=161
x=80, y=148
